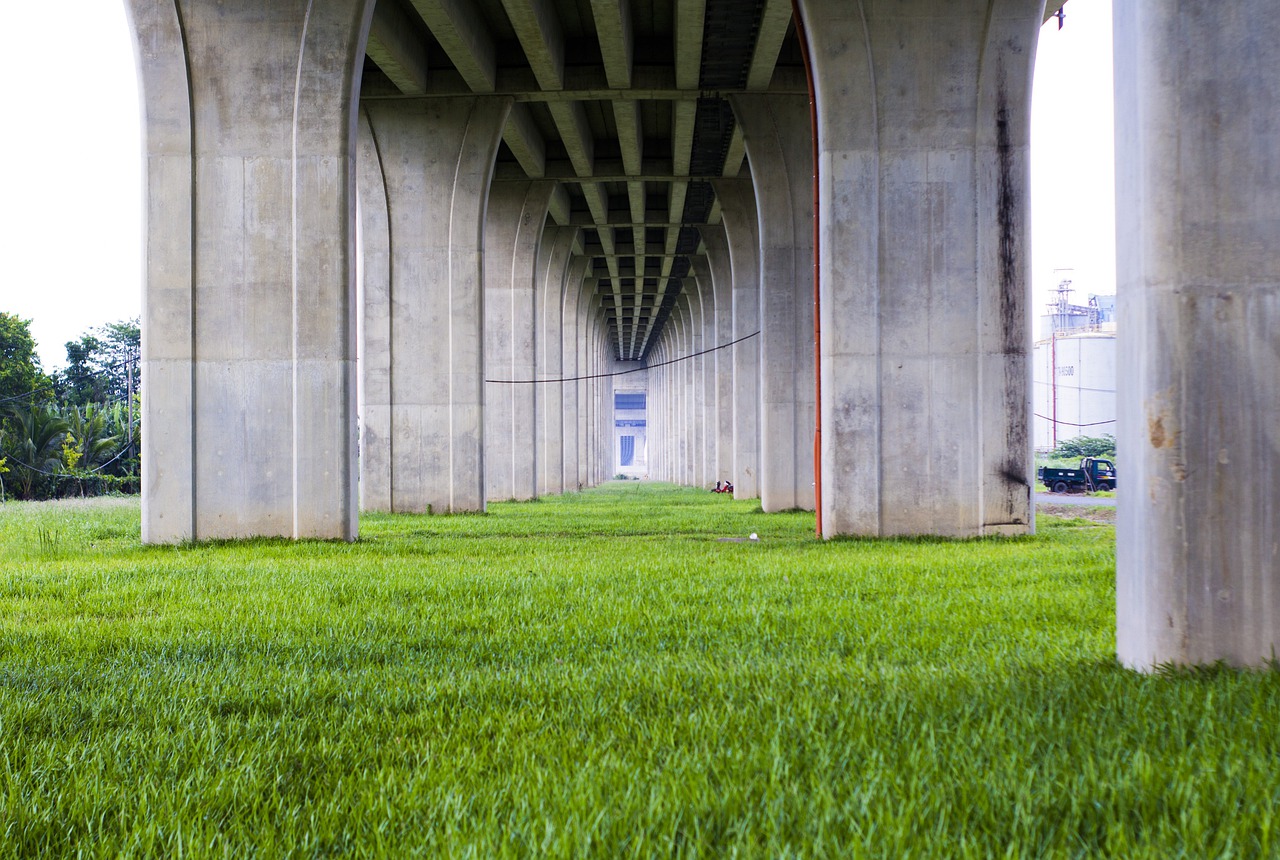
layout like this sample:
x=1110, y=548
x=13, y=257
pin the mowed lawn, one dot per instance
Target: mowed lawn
x=598, y=675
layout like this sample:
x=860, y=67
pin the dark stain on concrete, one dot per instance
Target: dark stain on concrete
x=1011, y=320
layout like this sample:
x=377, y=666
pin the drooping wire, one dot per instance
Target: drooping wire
x=622, y=372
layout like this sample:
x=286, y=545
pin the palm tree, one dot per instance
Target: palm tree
x=92, y=439
x=34, y=444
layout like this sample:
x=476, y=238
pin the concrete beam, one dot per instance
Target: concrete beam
x=461, y=31
x=538, y=29
x=525, y=142
x=396, y=49
x=775, y=19
x=613, y=30
x=690, y=19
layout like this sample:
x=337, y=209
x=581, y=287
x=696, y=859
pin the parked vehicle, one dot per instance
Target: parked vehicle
x=1093, y=474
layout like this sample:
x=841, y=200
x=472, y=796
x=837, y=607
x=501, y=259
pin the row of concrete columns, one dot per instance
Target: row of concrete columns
x=256, y=143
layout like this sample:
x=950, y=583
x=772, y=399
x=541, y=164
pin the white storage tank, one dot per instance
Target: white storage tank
x=1074, y=387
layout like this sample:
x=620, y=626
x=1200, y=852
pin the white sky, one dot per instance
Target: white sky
x=70, y=180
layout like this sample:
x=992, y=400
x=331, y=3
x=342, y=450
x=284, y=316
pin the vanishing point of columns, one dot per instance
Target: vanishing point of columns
x=305, y=251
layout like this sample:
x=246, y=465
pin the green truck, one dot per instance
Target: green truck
x=1093, y=474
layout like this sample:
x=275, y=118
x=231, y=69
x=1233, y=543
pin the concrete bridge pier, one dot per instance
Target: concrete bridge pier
x=1198, y=248
x=436, y=158
x=776, y=130
x=248, y=354
x=374, y=326
x=554, y=269
x=923, y=126
x=721, y=274
x=741, y=227
x=514, y=226
x=707, y=416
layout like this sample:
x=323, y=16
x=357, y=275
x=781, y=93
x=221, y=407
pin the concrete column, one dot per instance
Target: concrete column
x=706, y=376
x=923, y=114
x=374, y=326
x=436, y=157
x=513, y=231
x=690, y=343
x=248, y=353
x=583, y=345
x=717, y=245
x=1197, y=220
x=738, y=202
x=557, y=270
x=697, y=416
x=776, y=130
x=573, y=333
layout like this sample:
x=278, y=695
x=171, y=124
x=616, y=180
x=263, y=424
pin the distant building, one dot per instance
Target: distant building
x=629, y=423
x=1075, y=370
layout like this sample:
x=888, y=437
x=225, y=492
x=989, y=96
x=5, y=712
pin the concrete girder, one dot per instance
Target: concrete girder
x=774, y=22
x=613, y=31
x=525, y=142
x=690, y=17
x=541, y=37
x=559, y=207
x=395, y=49
x=465, y=39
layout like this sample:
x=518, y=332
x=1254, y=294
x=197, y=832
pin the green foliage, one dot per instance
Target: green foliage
x=102, y=365
x=599, y=676
x=20, y=373
x=85, y=440
x=1086, y=446
x=34, y=444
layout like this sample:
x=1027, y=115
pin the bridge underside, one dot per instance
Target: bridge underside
x=396, y=249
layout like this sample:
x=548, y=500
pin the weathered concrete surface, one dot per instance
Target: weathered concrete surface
x=374, y=327
x=742, y=230
x=513, y=230
x=556, y=268
x=709, y=418
x=248, y=331
x=717, y=245
x=776, y=130
x=1198, y=252
x=437, y=160
x=925, y=254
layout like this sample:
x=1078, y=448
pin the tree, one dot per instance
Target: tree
x=90, y=438
x=21, y=378
x=34, y=445
x=102, y=366
x=1086, y=446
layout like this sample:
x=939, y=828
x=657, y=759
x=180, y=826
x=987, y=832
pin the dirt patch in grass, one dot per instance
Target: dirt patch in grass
x=1100, y=514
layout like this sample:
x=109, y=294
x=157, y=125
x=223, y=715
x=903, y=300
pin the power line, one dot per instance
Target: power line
x=1072, y=424
x=1075, y=387
x=49, y=386
x=622, y=372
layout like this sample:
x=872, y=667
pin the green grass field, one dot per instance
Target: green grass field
x=596, y=675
